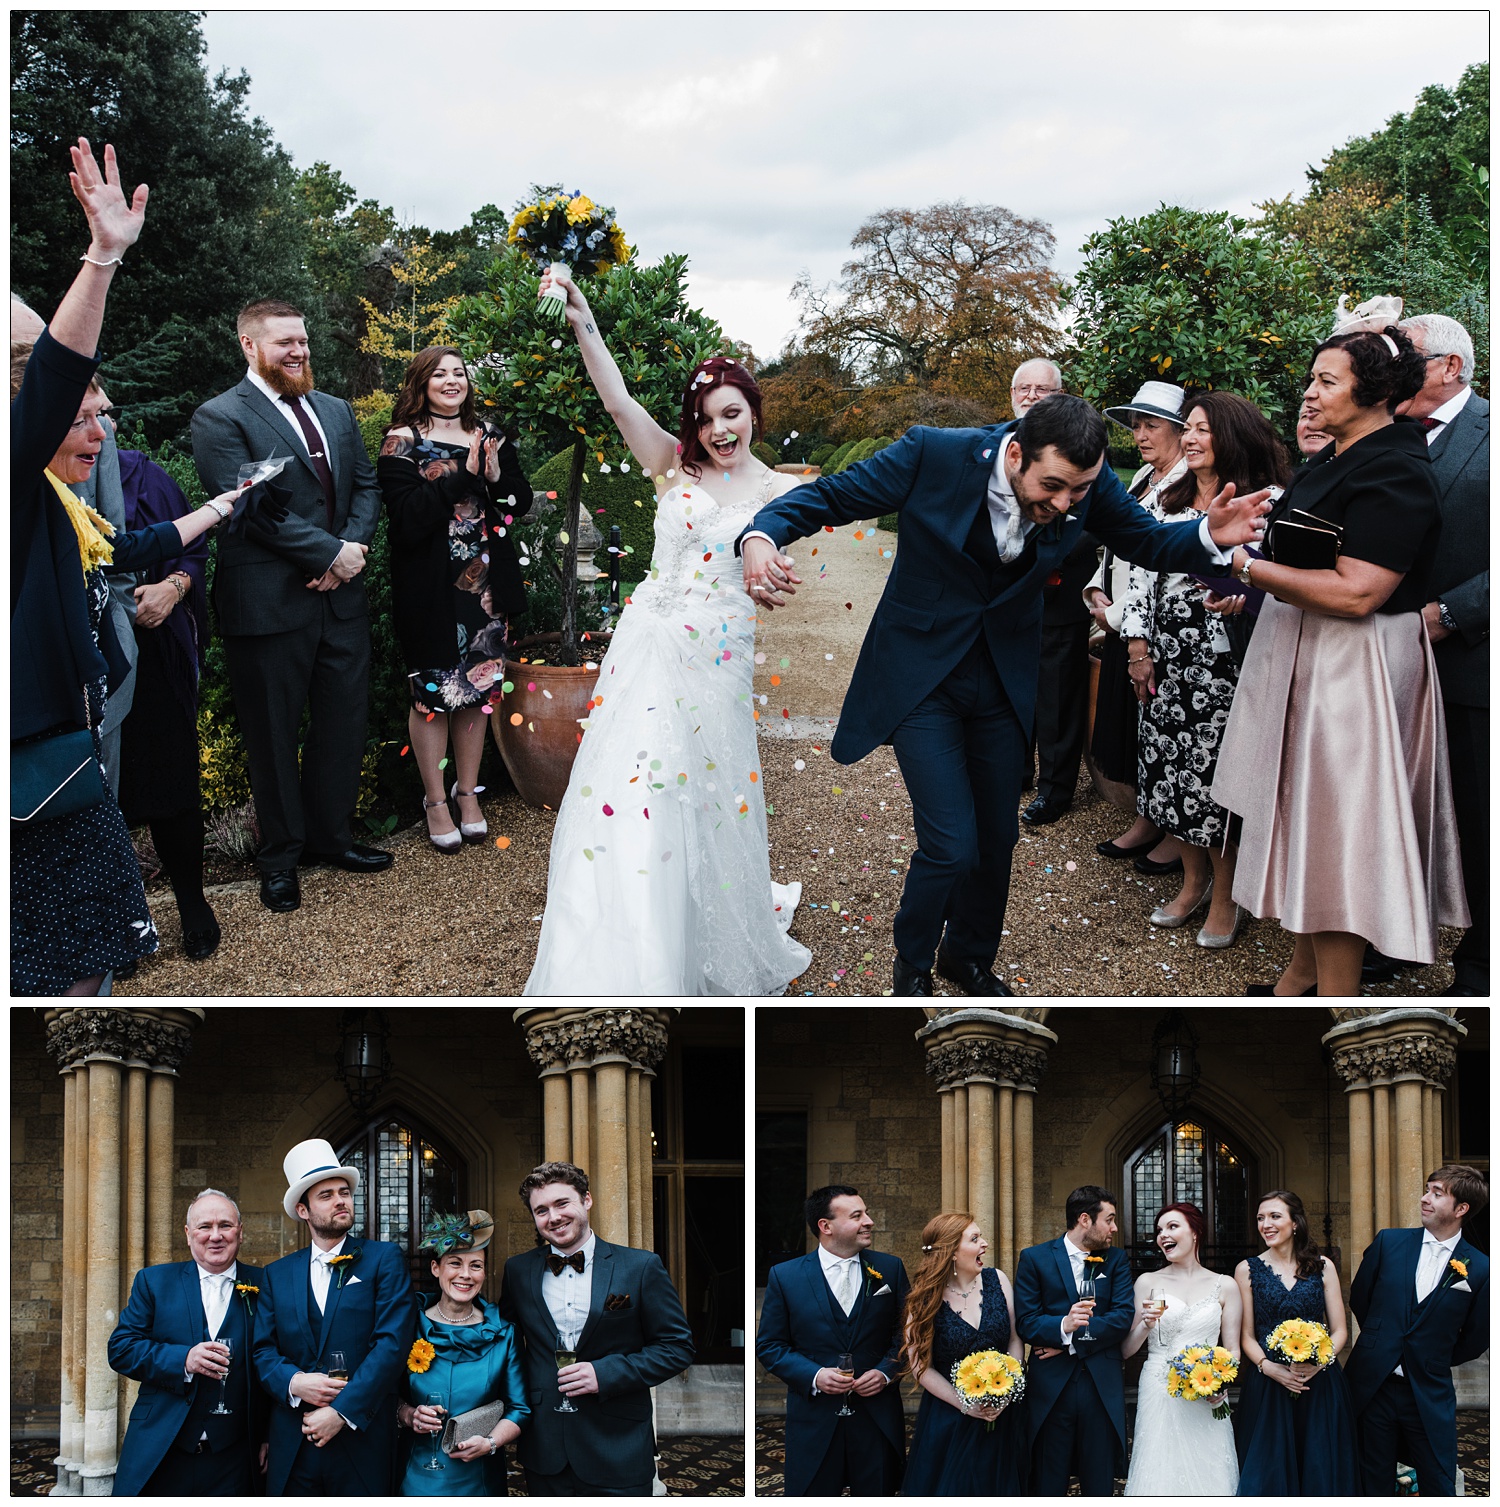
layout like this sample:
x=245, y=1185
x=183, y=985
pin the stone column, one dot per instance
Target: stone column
x=987, y=1064
x=1395, y=1065
x=605, y=1057
x=115, y=1129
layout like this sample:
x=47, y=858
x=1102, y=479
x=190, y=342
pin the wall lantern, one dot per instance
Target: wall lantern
x=1174, y=1062
x=363, y=1063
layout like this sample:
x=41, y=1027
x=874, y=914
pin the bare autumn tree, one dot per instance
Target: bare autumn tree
x=949, y=298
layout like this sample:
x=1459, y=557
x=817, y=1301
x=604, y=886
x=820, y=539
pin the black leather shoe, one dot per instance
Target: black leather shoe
x=1042, y=812
x=280, y=890
x=127, y=970
x=906, y=980
x=1114, y=850
x=1311, y=989
x=356, y=859
x=1155, y=866
x=969, y=977
x=203, y=942
x=1377, y=968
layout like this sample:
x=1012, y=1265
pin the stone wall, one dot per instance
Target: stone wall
x=36, y=1190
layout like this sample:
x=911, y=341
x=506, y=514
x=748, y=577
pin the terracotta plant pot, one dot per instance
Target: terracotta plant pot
x=538, y=726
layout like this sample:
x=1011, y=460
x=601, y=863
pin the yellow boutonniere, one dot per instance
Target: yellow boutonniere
x=871, y=1277
x=1461, y=1267
x=420, y=1357
x=1094, y=1260
x=343, y=1263
x=247, y=1290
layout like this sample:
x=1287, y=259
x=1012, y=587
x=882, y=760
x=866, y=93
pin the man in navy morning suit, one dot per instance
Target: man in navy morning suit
x=332, y=1437
x=948, y=671
x=185, y=1335
x=1075, y=1392
x=843, y=1298
x=615, y=1308
x=1422, y=1298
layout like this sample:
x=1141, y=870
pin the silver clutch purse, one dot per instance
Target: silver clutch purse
x=470, y=1425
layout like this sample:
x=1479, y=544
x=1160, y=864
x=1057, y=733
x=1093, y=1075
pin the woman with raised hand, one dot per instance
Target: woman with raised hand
x=659, y=880
x=1293, y=1427
x=1336, y=753
x=78, y=909
x=957, y=1307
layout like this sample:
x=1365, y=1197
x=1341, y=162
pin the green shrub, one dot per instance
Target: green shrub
x=626, y=498
x=765, y=453
x=839, y=458
x=890, y=522
x=819, y=457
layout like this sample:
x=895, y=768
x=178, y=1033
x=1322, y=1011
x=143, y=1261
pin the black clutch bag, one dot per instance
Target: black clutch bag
x=1305, y=542
x=54, y=777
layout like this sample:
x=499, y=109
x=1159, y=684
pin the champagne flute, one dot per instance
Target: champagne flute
x=845, y=1367
x=338, y=1367
x=221, y=1411
x=1085, y=1295
x=434, y=1400
x=565, y=1358
x=1156, y=1301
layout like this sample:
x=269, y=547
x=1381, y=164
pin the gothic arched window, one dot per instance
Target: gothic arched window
x=1191, y=1160
x=406, y=1175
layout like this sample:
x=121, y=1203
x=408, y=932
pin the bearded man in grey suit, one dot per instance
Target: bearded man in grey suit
x=290, y=602
x=1458, y=617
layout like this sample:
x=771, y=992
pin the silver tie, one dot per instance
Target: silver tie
x=846, y=1287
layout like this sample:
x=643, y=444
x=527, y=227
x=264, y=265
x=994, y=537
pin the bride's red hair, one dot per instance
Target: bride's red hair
x=717, y=371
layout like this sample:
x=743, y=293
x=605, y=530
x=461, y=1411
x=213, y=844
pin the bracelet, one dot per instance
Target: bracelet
x=1139, y=659
x=180, y=584
x=494, y=1444
x=93, y=261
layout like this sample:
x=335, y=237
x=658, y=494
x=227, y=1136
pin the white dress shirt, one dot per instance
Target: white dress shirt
x=291, y=424
x=569, y=1293
x=217, y=1291
x=1447, y=413
x=842, y=1274
x=1433, y=1262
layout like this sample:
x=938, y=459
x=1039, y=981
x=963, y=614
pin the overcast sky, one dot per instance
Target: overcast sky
x=757, y=143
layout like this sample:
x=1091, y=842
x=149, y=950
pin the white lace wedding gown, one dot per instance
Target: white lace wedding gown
x=659, y=880
x=1180, y=1449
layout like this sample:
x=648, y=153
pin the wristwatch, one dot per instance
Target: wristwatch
x=1446, y=618
x=1243, y=573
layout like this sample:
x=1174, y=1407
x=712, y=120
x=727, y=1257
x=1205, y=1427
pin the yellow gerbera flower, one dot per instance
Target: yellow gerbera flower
x=421, y=1356
x=580, y=209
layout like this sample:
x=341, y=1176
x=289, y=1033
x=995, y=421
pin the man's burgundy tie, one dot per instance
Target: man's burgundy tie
x=315, y=453
x=1430, y=423
x=555, y=1263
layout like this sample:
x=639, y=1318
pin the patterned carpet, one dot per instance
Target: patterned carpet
x=1473, y=1455
x=694, y=1465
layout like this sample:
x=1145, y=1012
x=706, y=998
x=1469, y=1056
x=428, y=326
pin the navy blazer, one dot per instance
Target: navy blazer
x=1461, y=572
x=802, y=1330
x=1044, y=1293
x=1427, y=1339
x=372, y=1317
x=936, y=599
x=636, y=1337
x=160, y=1323
x=260, y=581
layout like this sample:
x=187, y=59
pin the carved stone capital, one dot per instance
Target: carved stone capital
x=562, y=1038
x=1384, y=1046
x=951, y=1063
x=111, y=1034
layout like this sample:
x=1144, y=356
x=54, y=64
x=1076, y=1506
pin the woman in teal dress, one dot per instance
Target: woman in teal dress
x=465, y=1356
x=1293, y=1428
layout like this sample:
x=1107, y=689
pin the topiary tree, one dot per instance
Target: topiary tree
x=528, y=369
x=1192, y=297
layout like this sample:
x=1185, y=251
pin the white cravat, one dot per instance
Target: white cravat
x=840, y=1272
x=1435, y=1254
x=321, y=1271
x=1008, y=523
x=215, y=1288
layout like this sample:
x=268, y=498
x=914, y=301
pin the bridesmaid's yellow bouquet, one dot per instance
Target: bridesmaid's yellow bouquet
x=992, y=1377
x=1200, y=1373
x=1299, y=1341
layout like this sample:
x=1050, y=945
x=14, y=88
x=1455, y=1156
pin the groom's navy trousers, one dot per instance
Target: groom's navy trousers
x=948, y=670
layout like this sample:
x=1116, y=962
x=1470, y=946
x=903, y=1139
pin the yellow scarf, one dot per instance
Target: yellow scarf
x=94, y=532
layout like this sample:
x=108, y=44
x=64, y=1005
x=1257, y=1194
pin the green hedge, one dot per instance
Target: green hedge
x=765, y=454
x=819, y=457
x=626, y=498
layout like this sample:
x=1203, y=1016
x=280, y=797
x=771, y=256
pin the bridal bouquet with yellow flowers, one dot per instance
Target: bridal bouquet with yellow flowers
x=1201, y=1373
x=991, y=1377
x=555, y=227
x=1300, y=1341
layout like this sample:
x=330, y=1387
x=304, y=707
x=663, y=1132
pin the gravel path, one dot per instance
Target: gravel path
x=468, y=924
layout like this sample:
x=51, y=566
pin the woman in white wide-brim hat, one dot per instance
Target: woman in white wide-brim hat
x=1154, y=418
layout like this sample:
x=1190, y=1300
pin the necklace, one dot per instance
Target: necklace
x=963, y=1292
x=444, y=418
x=470, y=1318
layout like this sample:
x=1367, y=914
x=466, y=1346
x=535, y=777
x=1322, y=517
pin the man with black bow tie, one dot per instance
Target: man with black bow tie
x=198, y=1426
x=615, y=1311
x=843, y=1299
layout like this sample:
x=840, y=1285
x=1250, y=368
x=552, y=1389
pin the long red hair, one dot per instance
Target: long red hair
x=717, y=371
x=941, y=1237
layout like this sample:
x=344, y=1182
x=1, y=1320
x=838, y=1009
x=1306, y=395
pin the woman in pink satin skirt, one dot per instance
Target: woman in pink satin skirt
x=1335, y=756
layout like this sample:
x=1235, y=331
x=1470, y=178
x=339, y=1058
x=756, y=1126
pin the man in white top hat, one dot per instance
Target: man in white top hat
x=198, y=1426
x=341, y=1297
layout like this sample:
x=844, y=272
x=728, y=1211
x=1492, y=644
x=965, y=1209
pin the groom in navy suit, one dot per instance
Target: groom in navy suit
x=948, y=671
x=332, y=1436
x=1075, y=1392
x=842, y=1299
x=1422, y=1299
x=185, y=1335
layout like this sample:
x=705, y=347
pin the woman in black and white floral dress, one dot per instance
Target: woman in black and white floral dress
x=1184, y=670
x=453, y=488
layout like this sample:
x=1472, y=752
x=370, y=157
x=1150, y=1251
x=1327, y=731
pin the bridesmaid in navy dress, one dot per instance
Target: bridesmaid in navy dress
x=958, y=1305
x=1293, y=1428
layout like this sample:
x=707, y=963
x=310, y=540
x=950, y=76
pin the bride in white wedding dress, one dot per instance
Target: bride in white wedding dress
x=659, y=879
x=1179, y=1448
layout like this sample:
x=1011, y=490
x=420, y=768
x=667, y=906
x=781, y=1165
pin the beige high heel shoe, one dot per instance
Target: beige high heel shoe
x=444, y=842
x=1161, y=916
x=472, y=831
